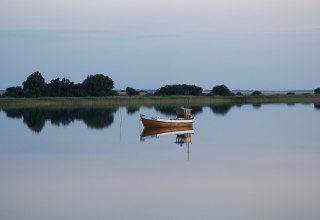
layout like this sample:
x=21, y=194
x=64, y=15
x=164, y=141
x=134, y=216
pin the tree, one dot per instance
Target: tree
x=317, y=91
x=79, y=90
x=131, y=91
x=34, y=86
x=98, y=85
x=183, y=89
x=13, y=91
x=62, y=87
x=221, y=90
x=254, y=93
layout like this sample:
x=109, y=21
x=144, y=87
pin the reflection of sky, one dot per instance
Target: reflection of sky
x=248, y=164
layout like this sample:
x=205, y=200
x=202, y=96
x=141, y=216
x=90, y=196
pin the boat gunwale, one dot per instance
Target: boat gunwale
x=174, y=120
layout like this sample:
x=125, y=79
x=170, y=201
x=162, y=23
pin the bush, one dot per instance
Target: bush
x=317, y=91
x=291, y=93
x=183, y=89
x=131, y=91
x=221, y=90
x=98, y=85
x=239, y=94
x=256, y=93
x=14, y=91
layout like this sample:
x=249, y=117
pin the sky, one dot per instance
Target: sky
x=146, y=44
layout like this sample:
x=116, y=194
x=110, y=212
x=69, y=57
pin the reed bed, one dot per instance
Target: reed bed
x=154, y=100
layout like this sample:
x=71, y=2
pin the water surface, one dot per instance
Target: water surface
x=243, y=162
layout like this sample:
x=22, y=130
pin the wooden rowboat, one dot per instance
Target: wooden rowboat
x=183, y=120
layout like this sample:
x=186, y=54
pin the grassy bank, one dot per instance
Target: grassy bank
x=154, y=100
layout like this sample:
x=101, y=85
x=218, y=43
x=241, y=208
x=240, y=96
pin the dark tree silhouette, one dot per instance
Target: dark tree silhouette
x=14, y=91
x=183, y=89
x=34, y=86
x=131, y=91
x=256, y=93
x=62, y=87
x=98, y=85
x=221, y=90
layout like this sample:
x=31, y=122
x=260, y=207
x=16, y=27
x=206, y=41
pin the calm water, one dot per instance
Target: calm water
x=243, y=162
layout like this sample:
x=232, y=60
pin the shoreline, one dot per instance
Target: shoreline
x=155, y=100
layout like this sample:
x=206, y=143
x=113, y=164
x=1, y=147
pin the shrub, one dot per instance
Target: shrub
x=183, y=89
x=221, y=90
x=98, y=85
x=14, y=91
x=256, y=93
x=131, y=91
x=317, y=91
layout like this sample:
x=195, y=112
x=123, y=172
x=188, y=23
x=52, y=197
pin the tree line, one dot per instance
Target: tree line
x=35, y=86
x=102, y=85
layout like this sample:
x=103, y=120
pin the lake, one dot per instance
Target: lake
x=241, y=162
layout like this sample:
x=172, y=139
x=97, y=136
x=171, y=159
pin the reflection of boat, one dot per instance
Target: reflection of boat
x=183, y=135
x=158, y=132
x=183, y=120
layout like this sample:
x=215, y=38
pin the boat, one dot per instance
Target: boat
x=183, y=119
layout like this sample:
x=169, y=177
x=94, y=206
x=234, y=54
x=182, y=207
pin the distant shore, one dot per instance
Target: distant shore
x=155, y=100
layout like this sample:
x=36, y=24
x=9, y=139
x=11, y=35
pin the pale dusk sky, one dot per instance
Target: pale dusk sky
x=248, y=44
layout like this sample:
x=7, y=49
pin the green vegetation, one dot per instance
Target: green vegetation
x=35, y=86
x=63, y=88
x=221, y=90
x=256, y=93
x=13, y=102
x=98, y=85
x=291, y=93
x=183, y=89
x=14, y=91
x=97, y=90
x=131, y=91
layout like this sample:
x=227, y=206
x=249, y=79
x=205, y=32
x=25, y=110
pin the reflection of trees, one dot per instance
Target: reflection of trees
x=221, y=109
x=256, y=105
x=170, y=110
x=97, y=118
x=132, y=110
x=36, y=118
x=317, y=106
